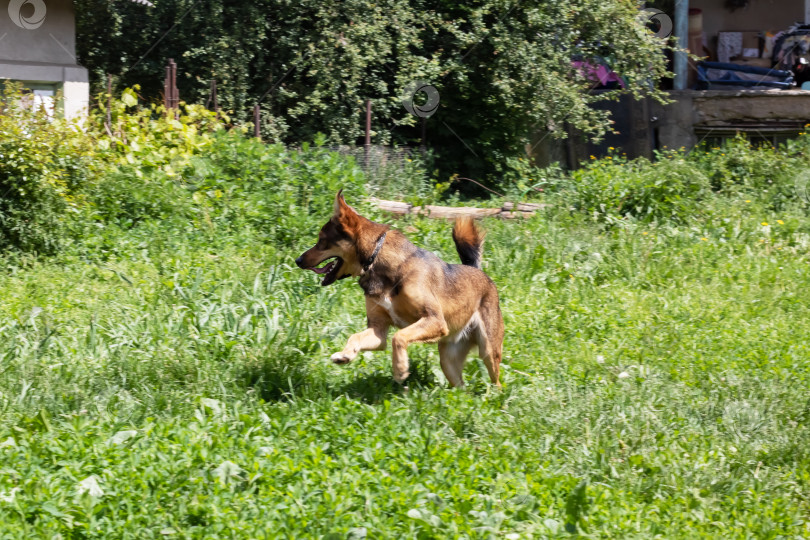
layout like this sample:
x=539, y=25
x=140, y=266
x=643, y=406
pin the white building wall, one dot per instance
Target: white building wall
x=76, y=97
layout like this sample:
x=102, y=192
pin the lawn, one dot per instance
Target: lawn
x=655, y=383
x=165, y=366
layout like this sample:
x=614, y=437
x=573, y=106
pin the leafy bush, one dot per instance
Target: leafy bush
x=44, y=163
x=667, y=189
x=677, y=185
x=144, y=161
x=189, y=173
x=736, y=166
x=280, y=192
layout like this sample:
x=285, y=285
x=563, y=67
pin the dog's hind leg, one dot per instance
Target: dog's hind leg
x=490, y=342
x=452, y=355
x=492, y=360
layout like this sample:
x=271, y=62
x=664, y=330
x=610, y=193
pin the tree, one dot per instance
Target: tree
x=502, y=68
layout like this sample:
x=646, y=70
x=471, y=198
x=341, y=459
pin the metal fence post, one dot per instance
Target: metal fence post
x=171, y=96
x=257, y=122
x=367, y=146
x=212, y=96
x=109, y=103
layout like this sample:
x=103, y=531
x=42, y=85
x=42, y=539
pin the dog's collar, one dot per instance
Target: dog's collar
x=373, y=257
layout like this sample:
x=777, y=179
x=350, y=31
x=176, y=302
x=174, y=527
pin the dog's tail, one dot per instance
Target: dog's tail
x=469, y=241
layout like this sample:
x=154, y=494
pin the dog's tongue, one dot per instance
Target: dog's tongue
x=324, y=269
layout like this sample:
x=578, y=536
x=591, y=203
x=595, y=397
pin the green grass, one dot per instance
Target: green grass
x=164, y=369
x=655, y=384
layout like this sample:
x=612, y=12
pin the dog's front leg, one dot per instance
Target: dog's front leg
x=428, y=328
x=370, y=339
x=373, y=338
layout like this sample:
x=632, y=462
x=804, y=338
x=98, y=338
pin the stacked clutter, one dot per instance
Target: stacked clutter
x=791, y=51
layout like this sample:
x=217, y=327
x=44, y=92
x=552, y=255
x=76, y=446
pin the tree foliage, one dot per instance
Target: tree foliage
x=502, y=68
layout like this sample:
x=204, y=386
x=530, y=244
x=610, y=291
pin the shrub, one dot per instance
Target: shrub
x=281, y=193
x=43, y=163
x=191, y=173
x=677, y=185
x=763, y=170
x=186, y=172
x=144, y=160
x=669, y=188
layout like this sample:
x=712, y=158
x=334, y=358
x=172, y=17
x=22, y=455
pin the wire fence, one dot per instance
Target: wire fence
x=391, y=171
x=377, y=157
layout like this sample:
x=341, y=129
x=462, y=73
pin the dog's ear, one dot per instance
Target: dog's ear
x=339, y=202
x=343, y=212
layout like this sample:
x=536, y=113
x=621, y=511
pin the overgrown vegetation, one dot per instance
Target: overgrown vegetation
x=165, y=370
x=502, y=68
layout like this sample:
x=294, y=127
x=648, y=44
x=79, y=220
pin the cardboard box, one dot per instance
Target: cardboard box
x=750, y=43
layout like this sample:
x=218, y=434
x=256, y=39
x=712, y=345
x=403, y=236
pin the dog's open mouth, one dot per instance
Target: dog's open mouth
x=331, y=269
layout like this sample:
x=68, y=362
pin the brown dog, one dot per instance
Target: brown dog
x=412, y=289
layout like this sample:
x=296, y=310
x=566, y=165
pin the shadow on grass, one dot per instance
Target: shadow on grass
x=275, y=379
x=375, y=387
x=372, y=388
x=279, y=379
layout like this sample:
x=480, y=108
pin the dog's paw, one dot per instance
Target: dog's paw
x=340, y=358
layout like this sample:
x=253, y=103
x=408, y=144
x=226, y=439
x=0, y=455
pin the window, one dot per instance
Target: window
x=40, y=96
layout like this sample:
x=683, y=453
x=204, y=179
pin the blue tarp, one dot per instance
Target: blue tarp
x=724, y=74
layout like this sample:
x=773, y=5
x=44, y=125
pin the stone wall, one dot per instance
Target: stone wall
x=725, y=112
